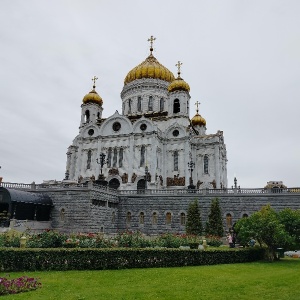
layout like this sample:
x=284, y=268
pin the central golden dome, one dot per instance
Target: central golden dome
x=149, y=68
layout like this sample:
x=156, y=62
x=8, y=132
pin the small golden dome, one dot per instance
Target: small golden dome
x=149, y=68
x=198, y=120
x=178, y=85
x=93, y=97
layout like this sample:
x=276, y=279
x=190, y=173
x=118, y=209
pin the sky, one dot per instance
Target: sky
x=241, y=59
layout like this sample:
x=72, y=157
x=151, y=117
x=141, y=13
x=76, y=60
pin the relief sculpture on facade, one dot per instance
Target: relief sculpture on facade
x=113, y=171
x=124, y=178
x=176, y=181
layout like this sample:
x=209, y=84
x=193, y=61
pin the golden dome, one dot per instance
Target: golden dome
x=149, y=68
x=198, y=120
x=178, y=85
x=93, y=97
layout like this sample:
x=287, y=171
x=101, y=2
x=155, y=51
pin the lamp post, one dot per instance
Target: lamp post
x=191, y=166
x=101, y=161
x=146, y=176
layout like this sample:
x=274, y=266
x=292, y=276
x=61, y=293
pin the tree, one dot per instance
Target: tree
x=214, y=226
x=264, y=226
x=194, y=224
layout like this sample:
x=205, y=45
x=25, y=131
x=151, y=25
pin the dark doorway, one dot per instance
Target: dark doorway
x=141, y=186
x=114, y=183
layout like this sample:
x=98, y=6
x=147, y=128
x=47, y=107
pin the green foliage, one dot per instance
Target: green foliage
x=132, y=239
x=264, y=226
x=194, y=224
x=213, y=241
x=214, y=226
x=119, y=258
x=46, y=239
x=291, y=221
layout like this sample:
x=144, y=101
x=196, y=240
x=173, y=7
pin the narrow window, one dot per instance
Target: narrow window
x=205, y=164
x=115, y=158
x=150, y=103
x=129, y=106
x=128, y=218
x=139, y=104
x=121, y=158
x=228, y=220
x=161, y=104
x=182, y=219
x=87, y=116
x=176, y=106
x=154, y=218
x=89, y=159
x=109, y=158
x=168, y=218
x=142, y=218
x=113, y=217
x=175, y=160
x=142, y=161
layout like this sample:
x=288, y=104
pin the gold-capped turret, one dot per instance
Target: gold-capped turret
x=198, y=120
x=93, y=96
x=149, y=68
x=178, y=84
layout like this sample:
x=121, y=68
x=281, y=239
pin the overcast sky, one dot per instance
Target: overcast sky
x=240, y=58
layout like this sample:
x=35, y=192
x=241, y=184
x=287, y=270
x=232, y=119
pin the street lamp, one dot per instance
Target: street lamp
x=191, y=166
x=101, y=161
x=146, y=176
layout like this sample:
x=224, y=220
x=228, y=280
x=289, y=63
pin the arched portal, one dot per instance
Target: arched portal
x=114, y=183
x=141, y=185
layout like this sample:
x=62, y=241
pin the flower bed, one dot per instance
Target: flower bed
x=18, y=285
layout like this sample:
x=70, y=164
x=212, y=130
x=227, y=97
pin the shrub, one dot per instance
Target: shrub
x=214, y=241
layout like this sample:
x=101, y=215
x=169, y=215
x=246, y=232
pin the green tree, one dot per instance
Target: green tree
x=291, y=220
x=194, y=224
x=264, y=226
x=214, y=225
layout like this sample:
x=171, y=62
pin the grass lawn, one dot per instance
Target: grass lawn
x=259, y=280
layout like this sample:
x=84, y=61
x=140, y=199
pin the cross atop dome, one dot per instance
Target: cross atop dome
x=151, y=40
x=178, y=65
x=94, y=79
x=197, y=105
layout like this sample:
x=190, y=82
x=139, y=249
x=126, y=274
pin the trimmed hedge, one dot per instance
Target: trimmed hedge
x=101, y=259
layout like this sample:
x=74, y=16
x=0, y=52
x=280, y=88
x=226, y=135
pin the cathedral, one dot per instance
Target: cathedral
x=153, y=143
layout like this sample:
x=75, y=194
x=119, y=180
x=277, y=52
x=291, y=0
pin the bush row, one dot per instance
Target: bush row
x=54, y=239
x=119, y=258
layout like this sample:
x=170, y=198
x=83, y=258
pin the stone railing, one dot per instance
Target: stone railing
x=91, y=185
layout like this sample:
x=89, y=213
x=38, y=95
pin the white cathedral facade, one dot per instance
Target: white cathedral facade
x=153, y=143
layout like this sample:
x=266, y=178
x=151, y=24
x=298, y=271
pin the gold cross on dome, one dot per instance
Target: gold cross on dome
x=197, y=104
x=178, y=65
x=94, y=79
x=151, y=40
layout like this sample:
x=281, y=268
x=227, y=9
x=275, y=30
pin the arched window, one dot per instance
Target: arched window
x=142, y=218
x=128, y=218
x=113, y=217
x=150, y=103
x=168, y=218
x=142, y=161
x=154, y=218
x=121, y=158
x=176, y=106
x=182, y=219
x=109, y=157
x=89, y=159
x=87, y=116
x=129, y=106
x=245, y=215
x=139, y=104
x=228, y=220
x=161, y=104
x=115, y=157
x=205, y=164
x=175, y=160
